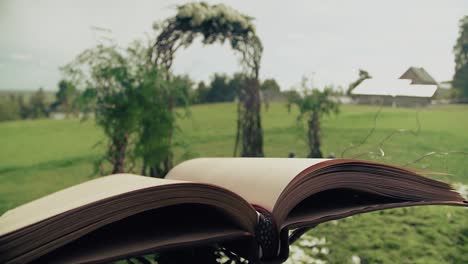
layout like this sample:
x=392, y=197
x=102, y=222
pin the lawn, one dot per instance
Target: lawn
x=40, y=157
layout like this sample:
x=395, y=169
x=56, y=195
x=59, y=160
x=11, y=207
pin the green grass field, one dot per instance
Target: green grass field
x=43, y=156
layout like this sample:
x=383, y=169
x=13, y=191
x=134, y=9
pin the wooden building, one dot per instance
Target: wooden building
x=414, y=88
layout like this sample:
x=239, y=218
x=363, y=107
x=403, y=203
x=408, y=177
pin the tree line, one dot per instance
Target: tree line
x=67, y=100
x=17, y=106
x=225, y=88
x=71, y=102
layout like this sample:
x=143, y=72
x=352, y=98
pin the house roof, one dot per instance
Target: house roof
x=418, y=76
x=395, y=87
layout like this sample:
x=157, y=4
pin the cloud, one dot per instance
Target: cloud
x=20, y=57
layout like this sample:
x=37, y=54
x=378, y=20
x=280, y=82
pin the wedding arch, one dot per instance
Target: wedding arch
x=220, y=23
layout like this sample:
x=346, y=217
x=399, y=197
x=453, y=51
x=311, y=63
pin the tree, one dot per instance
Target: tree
x=86, y=101
x=362, y=76
x=129, y=95
x=291, y=97
x=38, y=107
x=460, y=50
x=220, y=90
x=460, y=83
x=200, y=95
x=65, y=97
x=156, y=122
x=269, y=89
x=314, y=104
x=183, y=88
x=270, y=85
x=107, y=71
x=23, y=107
x=236, y=82
x=9, y=108
x=157, y=91
x=218, y=23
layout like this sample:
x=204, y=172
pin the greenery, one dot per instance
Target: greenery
x=66, y=101
x=42, y=156
x=69, y=100
x=129, y=96
x=313, y=104
x=117, y=108
x=10, y=108
x=13, y=106
x=460, y=79
x=270, y=89
x=225, y=88
x=220, y=89
x=270, y=85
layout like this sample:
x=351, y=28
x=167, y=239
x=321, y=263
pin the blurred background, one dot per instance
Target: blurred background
x=90, y=88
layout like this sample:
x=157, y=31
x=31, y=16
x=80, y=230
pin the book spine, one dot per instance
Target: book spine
x=266, y=234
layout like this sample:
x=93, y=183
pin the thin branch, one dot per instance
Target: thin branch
x=369, y=134
x=389, y=136
x=435, y=153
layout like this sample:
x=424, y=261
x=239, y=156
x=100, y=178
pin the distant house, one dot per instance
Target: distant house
x=418, y=76
x=414, y=88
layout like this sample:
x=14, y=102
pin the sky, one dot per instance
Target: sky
x=327, y=41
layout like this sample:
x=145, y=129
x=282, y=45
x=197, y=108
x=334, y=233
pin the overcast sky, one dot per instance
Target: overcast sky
x=328, y=40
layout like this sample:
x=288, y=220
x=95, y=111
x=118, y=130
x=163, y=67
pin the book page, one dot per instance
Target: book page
x=260, y=181
x=74, y=197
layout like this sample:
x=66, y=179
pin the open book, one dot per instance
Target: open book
x=247, y=205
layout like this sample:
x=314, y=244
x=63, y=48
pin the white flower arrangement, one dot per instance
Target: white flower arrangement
x=201, y=12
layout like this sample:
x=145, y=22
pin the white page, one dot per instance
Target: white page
x=260, y=181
